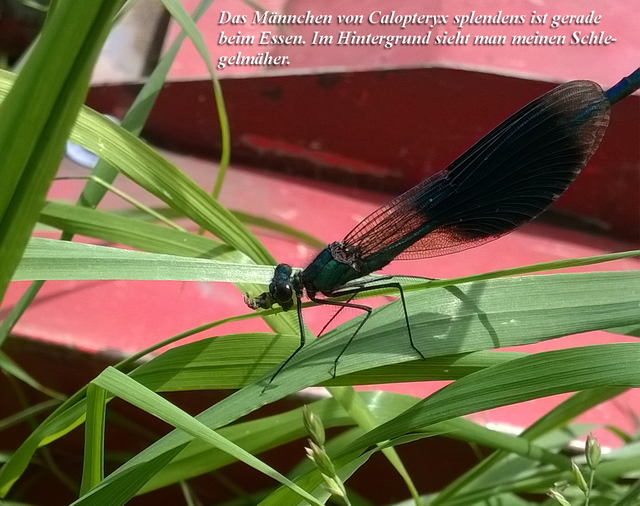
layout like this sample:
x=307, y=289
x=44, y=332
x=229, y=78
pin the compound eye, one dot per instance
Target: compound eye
x=283, y=293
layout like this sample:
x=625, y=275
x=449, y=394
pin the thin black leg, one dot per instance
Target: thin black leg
x=302, y=342
x=343, y=304
x=353, y=291
x=358, y=289
x=335, y=315
x=354, y=288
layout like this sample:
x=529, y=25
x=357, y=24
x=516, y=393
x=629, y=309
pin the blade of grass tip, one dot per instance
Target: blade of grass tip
x=133, y=392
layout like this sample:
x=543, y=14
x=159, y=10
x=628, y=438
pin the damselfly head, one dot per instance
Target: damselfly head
x=281, y=291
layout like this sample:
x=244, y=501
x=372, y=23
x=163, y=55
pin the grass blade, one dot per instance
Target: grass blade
x=519, y=380
x=48, y=259
x=446, y=323
x=93, y=468
x=38, y=114
x=133, y=392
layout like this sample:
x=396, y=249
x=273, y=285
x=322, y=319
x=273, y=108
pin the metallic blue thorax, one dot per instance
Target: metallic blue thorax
x=335, y=266
x=326, y=273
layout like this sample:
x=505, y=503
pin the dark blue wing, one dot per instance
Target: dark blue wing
x=504, y=180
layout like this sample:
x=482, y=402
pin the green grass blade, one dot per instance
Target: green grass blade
x=60, y=422
x=48, y=259
x=630, y=497
x=535, y=268
x=154, y=238
x=189, y=27
x=554, y=419
x=18, y=309
x=519, y=380
x=313, y=481
x=360, y=413
x=141, y=473
x=265, y=433
x=38, y=115
x=465, y=430
x=93, y=466
x=499, y=301
x=72, y=412
x=246, y=218
x=240, y=359
x=139, y=162
x=146, y=167
x=127, y=198
x=133, y=121
x=447, y=321
x=189, y=373
x=137, y=115
x=292, y=232
x=412, y=283
x=27, y=414
x=133, y=392
x=137, y=234
x=34, y=99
